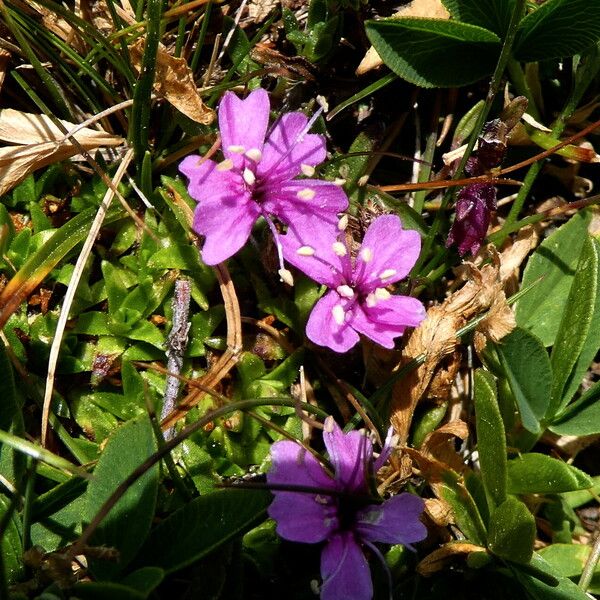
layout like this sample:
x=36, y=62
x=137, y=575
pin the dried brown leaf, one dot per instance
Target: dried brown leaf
x=439, y=558
x=439, y=512
x=433, y=9
x=41, y=143
x=435, y=338
x=174, y=82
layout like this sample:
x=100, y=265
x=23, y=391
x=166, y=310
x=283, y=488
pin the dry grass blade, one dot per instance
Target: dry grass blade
x=41, y=143
x=70, y=294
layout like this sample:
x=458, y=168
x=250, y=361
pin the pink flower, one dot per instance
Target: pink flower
x=358, y=301
x=257, y=177
x=341, y=511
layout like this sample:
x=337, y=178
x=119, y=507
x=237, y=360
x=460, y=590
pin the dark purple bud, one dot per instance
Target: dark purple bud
x=473, y=212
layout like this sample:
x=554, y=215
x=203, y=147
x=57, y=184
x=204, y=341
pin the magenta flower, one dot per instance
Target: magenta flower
x=341, y=513
x=257, y=177
x=358, y=301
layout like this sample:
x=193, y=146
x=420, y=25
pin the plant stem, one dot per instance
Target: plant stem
x=585, y=73
x=522, y=87
x=495, y=82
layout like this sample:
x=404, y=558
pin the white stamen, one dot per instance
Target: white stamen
x=387, y=274
x=306, y=194
x=362, y=181
x=254, y=154
x=249, y=176
x=322, y=102
x=338, y=313
x=366, y=255
x=305, y=251
x=328, y=425
x=345, y=291
x=225, y=165
x=343, y=222
x=286, y=276
x=339, y=181
x=307, y=170
x=236, y=149
x=371, y=300
x=339, y=249
x=382, y=294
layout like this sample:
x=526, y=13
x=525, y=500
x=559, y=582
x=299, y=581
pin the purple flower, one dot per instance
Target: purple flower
x=256, y=177
x=358, y=301
x=473, y=213
x=342, y=512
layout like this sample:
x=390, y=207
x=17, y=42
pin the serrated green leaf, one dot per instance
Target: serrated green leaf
x=550, y=271
x=512, y=531
x=491, y=441
x=434, y=52
x=493, y=15
x=202, y=526
x=575, y=323
x=534, y=473
x=558, y=28
x=125, y=450
x=529, y=373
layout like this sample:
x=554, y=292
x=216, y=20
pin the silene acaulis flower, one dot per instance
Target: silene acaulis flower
x=342, y=512
x=258, y=177
x=358, y=301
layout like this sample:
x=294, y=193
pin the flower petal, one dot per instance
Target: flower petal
x=304, y=203
x=293, y=465
x=323, y=329
x=387, y=319
x=392, y=253
x=243, y=124
x=203, y=177
x=396, y=521
x=225, y=218
x=301, y=516
x=350, y=454
x=289, y=146
x=344, y=569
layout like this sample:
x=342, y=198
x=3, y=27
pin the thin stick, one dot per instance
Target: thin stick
x=176, y=344
x=228, y=359
x=70, y=295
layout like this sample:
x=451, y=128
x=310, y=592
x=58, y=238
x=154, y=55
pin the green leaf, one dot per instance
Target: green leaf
x=535, y=473
x=581, y=417
x=434, y=52
x=558, y=28
x=590, y=346
x=491, y=441
x=550, y=271
x=9, y=405
x=493, y=15
x=529, y=373
x=125, y=450
x=512, y=531
x=102, y=591
x=463, y=506
x=11, y=545
x=575, y=323
x=561, y=588
x=144, y=580
x=202, y=526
